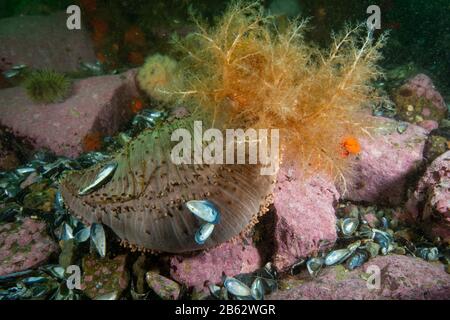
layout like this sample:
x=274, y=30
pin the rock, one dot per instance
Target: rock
x=429, y=205
x=418, y=100
x=305, y=220
x=24, y=245
x=44, y=42
x=387, y=161
x=230, y=259
x=104, y=276
x=98, y=106
x=428, y=125
x=402, y=278
x=9, y=158
x=436, y=145
x=165, y=288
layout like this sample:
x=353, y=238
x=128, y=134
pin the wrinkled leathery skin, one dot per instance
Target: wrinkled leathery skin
x=143, y=203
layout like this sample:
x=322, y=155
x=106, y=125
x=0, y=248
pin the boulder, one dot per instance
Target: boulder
x=418, y=100
x=390, y=157
x=98, y=106
x=43, y=42
x=165, y=288
x=401, y=278
x=429, y=204
x=305, y=221
x=24, y=245
x=230, y=258
x=103, y=277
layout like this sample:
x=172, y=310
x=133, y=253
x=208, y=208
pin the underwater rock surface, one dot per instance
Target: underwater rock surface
x=305, y=220
x=9, y=158
x=165, y=288
x=430, y=203
x=387, y=159
x=24, y=246
x=44, y=42
x=402, y=277
x=95, y=106
x=104, y=276
x=418, y=100
x=230, y=258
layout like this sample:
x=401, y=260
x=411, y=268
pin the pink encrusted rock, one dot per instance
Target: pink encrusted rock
x=305, y=221
x=43, y=42
x=402, y=278
x=418, y=100
x=24, y=246
x=165, y=288
x=98, y=105
x=199, y=269
x=423, y=86
x=387, y=159
x=428, y=125
x=429, y=204
x=104, y=276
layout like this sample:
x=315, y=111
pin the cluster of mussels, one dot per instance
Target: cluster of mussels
x=366, y=232
x=32, y=190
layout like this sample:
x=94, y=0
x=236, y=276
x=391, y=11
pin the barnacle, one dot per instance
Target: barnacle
x=47, y=86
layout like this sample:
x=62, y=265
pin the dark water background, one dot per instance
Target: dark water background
x=419, y=30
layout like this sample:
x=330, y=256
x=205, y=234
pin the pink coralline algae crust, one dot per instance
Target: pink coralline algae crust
x=402, y=278
x=43, y=41
x=208, y=266
x=429, y=205
x=24, y=246
x=387, y=160
x=97, y=105
x=418, y=100
x=305, y=221
x=104, y=276
x=423, y=86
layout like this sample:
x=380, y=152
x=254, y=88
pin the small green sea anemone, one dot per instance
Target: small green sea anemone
x=47, y=86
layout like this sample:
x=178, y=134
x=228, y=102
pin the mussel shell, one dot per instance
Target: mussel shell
x=215, y=290
x=89, y=159
x=204, y=232
x=102, y=177
x=98, y=238
x=236, y=287
x=9, y=212
x=66, y=232
x=257, y=289
x=83, y=234
x=384, y=239
x=205, y=210
x=357, y=259
x=314, y=265
x=349, y=226
x=296, y=267
x=337, y=256
x=429, y=254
